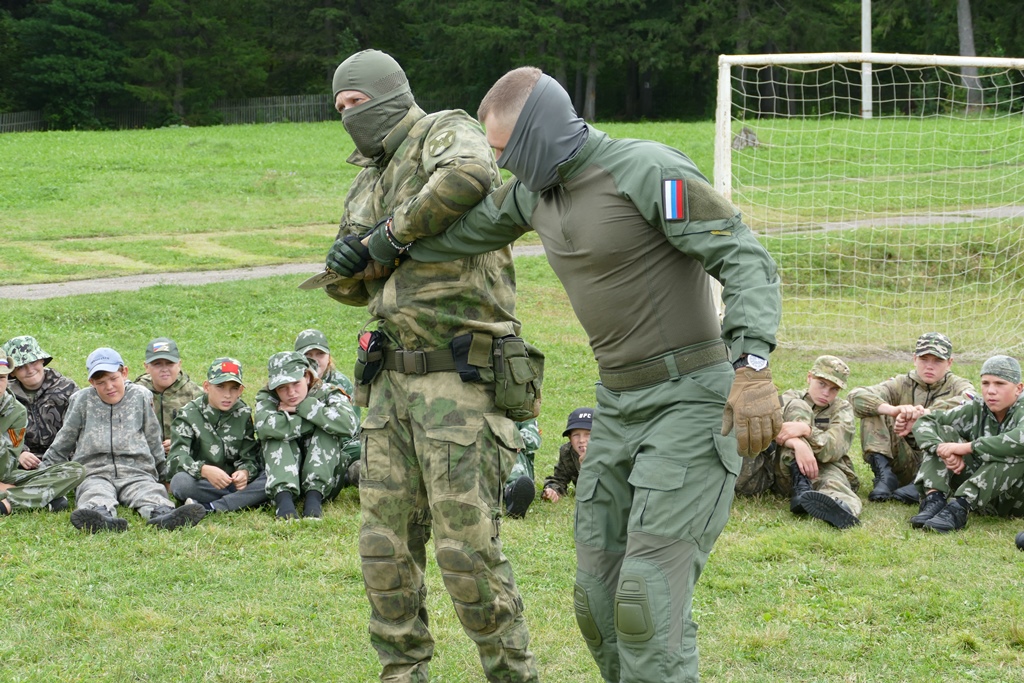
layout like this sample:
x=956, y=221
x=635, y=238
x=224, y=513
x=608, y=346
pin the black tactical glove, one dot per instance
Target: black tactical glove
x=384, y=248
x=348, y=256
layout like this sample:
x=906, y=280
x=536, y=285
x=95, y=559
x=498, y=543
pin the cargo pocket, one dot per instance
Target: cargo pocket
x=376, y=449
x=509, y=443
x=725, y=446
x=659, y=506
x=588, y=524
x=453, y=459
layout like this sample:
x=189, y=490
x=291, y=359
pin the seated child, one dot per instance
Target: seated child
x=21, y=490
x=974, y=453
x=171, y=386
x=43, y=391
x=302, y=425
x=809, y=460
x=570, y=455
x=214, y=458
x=887, y=413
x=111, y=429
x=519, y=488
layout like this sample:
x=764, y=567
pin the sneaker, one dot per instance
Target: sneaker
x=953, y=517
x=187, y=515
x=518, y=497
x=907, y=494
x=58, y=504
x=931, y=505
x=206, y=506
x=93, y=520
x=828, y=509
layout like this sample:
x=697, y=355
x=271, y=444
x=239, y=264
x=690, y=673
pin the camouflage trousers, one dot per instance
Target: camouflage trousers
x=522, y=468
x=145, y=494
x=435, y=457
x=770, y=471
x=35, y=488
x=995, y=488
x=653, y=496
x=877, y=436
x=310, y=463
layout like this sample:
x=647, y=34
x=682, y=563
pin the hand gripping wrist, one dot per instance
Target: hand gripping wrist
x=384, y=248
x=753, y=409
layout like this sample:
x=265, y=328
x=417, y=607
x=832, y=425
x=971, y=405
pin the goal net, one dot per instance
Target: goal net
x=893, y=208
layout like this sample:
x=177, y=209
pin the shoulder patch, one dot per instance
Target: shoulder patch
x=673, y=199
x=440, y=142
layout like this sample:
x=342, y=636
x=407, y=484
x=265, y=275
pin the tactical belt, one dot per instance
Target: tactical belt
x=674, y=364
x=419, y=362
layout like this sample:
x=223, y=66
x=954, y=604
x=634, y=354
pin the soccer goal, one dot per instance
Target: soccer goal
x=890, y=190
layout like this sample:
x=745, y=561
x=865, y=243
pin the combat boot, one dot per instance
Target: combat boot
x=886, y=480
x=352, y=474
x=1020, y=541
x=826, y=508
x=58, y=504
x=801, y=485
x=953, y=517
x=907, y=494
x=931, y=505
x=187, y=515
x=97, y=519
x=518, y=496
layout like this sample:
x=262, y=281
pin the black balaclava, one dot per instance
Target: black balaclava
x=547, y=133
x=379, y=76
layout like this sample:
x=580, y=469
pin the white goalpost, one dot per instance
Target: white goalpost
x=892, y=210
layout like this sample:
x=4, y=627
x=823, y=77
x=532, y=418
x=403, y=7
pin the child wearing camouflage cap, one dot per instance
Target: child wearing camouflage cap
x=171, y=386
x=43, y=391
x=888, y=411
x=20, y=489
x=809, y=460
x=974, y=453
x=215, y=458
x=302, y=425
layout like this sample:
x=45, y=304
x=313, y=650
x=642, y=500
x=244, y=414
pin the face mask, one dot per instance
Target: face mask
x=370, y=122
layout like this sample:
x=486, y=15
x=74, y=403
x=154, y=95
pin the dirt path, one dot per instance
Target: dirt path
x=131, y=283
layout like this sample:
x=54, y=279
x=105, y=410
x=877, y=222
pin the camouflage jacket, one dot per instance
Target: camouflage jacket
x=910, y=390
x=173, y=399
x=203, y=435
x=435, y=167
x=324, y=407
x=832, y=429
x=339, y=379
x=117, y=442
x=13, y=418
x=991, y=440
x=530, y=431
x=46, y=409
x=567, y=470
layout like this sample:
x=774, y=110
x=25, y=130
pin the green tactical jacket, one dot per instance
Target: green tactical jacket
x=832, y=429
x=203, y=435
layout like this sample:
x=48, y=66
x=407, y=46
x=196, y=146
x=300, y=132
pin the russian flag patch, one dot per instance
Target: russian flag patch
x=674, y=199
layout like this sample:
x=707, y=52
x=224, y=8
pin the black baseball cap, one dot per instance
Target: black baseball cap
x=581, y=418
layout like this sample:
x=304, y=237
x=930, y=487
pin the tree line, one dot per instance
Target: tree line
x=618, y=59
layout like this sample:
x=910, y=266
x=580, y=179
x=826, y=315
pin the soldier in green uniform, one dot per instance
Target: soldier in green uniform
x=974, y=453
x=21, y=489
x=888, y=411
x=632, y=226
x=431, y=428
x=519, y=487
x=171, y=386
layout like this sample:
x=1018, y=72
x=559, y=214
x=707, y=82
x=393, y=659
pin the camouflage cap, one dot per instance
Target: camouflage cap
x=225, y=370
x=6, y=364
x=1004, y=367
x=162, y=348
x=24, y=350
x=832, y=369
x=934, y=343
x=286, y=367
x=103, y=359
x=311, y=339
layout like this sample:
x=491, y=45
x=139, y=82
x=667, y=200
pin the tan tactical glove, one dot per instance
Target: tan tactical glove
x=754, y=409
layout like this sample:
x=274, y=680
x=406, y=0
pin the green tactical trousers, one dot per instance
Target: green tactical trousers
x=653, y=496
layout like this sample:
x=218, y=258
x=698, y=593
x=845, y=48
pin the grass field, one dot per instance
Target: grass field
x=243, y=598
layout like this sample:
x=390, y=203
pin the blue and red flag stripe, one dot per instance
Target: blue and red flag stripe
x=674, y=200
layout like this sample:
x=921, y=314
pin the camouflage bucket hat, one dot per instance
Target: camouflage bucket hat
x=225, y=370
x=934, y=343
x=1004, y=367
x=311, y=339
x=831, y=369
x=25, y=350
x=286, y=367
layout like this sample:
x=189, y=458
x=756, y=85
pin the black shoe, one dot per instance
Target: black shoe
x=886, y=481
x=931, y=505
x=58, y=504
x=93, y=520
x=518, y=497
x=953, y=517
x=1020, y=541
x=907, y=494
x=186, y=515
x=801, y=485
x=826, y=508
x=352, y=474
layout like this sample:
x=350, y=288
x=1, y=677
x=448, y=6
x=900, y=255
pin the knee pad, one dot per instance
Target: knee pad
x=386, y=582
x=584, y=617
x=633, y=620
x=463, y=577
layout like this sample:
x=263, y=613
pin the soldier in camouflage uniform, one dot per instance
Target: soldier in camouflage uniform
x=112, y=430
x=302, y=425
x=21, y=490
x=215, y=458
x=171, y=386
x=429, y=435
x=887, y=413
x=43, y=391
x=570, y=455
x=974, y=453
x=519, y=487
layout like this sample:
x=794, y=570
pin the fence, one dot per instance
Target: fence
x=21, y=121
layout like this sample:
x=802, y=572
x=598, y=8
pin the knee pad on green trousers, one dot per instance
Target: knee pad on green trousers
x=388, y=583
x=465, y=576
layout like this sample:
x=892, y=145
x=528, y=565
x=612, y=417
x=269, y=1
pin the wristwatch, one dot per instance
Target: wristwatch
x=749, y=360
